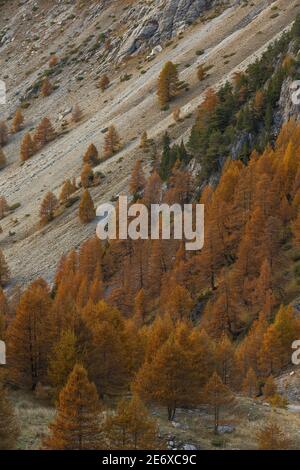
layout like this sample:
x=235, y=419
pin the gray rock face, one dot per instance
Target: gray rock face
x=189, y=447
x=178, y=13
x=288, y=386
x=162, y=21
x=288, y=107
x=226, y=429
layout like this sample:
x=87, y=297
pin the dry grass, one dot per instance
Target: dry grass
x=247, y=416
x=190, y=426
x=33, y=417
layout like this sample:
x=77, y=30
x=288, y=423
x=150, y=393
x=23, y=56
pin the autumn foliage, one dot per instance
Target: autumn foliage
x=91, y=155
x=44, y=133
x=146, y=324
x=86, y=208
x=27, y=147
x=112, y=142
x=168, y=84
x=48, y=207
x=76, y=426
x=17, y=121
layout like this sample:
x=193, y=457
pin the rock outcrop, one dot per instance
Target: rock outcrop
x=289, y=103
x=158, y=23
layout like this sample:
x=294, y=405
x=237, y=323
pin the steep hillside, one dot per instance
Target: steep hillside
x=140, y=343
x=89, y=41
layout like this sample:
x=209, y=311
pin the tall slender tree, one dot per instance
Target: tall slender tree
x=27, y=147
x=216, y=394
x=30, y=336
x=112, y=142
x=168, y=84
x=87, y=211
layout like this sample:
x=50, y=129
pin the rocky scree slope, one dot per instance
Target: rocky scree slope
x=34, y=31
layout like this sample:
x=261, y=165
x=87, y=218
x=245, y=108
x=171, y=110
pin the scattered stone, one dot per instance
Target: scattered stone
x=226, y=429
x=189, y=447
x=176, y=424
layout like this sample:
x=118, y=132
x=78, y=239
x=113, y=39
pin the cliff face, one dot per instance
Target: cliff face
x=163, y=20
x=289, y=103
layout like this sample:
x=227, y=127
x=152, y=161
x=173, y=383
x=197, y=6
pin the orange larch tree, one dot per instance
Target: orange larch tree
x=91, y=155
x=250, y=384
x=4, y=270
x=87, y=211
x=137, y=181
x=48, y=207
x=168, y=84
x=3, y=133
x=27, y=147
x=76, y=425
x=29, y=337
x=106, y=361
x=131, y=427
x=112, y=142
x=272, y=437
x=17, y=121
x=3, y=160
x=44, y=133
x=104, y=82
x=46, y=87
x=87, y=176
x=90, y=259
x=163, y=380
x=4, y=207
x=216, y=394
x=67, y=190
x=62, y=360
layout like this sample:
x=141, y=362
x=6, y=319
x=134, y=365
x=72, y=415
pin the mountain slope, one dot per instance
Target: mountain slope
x=131, y=105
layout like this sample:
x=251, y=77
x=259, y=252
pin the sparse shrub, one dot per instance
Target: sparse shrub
x=76, y=113
x=46, y=88
x=53, y=61
x=176, y=114
x=201, y=73
x=4, y=207
x=103, y=82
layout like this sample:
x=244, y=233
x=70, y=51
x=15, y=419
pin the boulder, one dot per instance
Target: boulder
x=189, y=447
x=226, y=429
